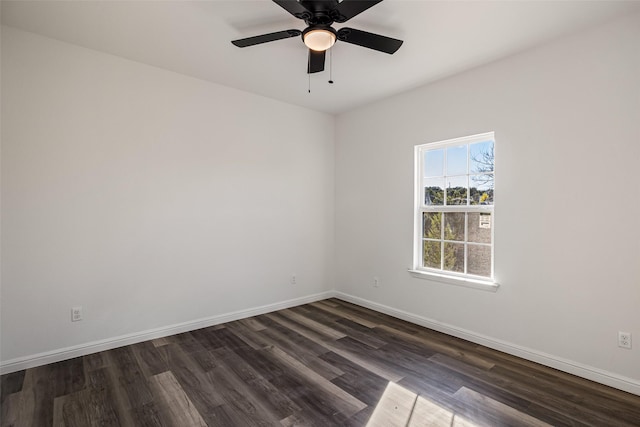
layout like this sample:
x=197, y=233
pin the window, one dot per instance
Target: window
x=454, y=208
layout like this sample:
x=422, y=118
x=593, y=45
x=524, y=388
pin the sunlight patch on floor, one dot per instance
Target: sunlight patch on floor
x=427, y=413
x=401, y=407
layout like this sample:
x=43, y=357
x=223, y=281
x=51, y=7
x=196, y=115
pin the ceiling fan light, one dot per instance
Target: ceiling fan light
x=319, y=40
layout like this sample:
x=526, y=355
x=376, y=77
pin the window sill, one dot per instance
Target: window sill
x=485, y=285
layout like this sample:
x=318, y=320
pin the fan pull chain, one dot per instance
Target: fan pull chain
x=308, y=73
x=331, y=66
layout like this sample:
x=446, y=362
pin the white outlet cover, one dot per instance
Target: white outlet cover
x=76, y=314
x=624, y=339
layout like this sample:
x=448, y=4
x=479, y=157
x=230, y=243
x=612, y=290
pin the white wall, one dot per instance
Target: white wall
x=567, y=236
x=149, y=198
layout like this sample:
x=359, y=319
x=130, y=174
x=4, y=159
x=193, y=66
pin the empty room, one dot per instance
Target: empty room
x=319, y=213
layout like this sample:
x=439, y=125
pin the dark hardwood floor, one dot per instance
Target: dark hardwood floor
x=321, y=364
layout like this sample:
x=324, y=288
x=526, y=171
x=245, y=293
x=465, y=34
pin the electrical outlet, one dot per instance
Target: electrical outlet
x=76, y=314
x=293, y=279
x=376, y=282
x=624, y=339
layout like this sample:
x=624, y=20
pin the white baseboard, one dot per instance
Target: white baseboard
x=58, y=355
x=594, y=374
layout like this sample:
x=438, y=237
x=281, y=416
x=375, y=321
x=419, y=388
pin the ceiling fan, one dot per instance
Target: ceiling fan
x=319, y=35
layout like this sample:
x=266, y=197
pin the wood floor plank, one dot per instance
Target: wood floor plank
x=433, y=346
x=278, y=399
x=95, y=361
x=290, y=337
x=357, y=381
x=177, y=406
x=554, y=418
x=500, y=389
x=428, y=389
x=127, y=374
x=504, y=388
x=332, y=302
x=159, y=342
x=249, y=335
x=203, y=393
x=359, y=333
x=39, y=382
x=148, y=415
x=317, y=314
x=226, y=339
x=152, y=360
x=259, y=362
x=506, y=413
x=586, y=386
x=353, y=317
x=342, y=400
x=318, y=327
x=68, y=376
x=243, y=403
x=360, y=419
x=58, y=416
x=394, y=408
x=427, y=413
x=206, y=360
x=571, y=393
x=376, y=366
x=68, y=411
x=298, y=346
x=322, y=364
x=99, y=403
x=192, y=342
x=252, y=323
x=291, y=421
x=11, y=383
x=315, y=409
x=406, y=358
x=304, y=330
x=376, y=317
x=109, y=401
x=18, y=409
x=444, y=379
x=302, y=349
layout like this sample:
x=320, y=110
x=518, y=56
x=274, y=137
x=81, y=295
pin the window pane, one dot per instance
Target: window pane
x=434, y=163
x=481, y=191
x=454, y=226
x=457, y=160
x=479, y=262
x=456, y=190
x=431, y=225
x=431, y=254
x=454, y=257
x=434, y=191
x=481, y=157
x=479, y=227
x=456, y=186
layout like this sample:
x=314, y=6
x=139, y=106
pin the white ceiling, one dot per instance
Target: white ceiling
x=441, y=38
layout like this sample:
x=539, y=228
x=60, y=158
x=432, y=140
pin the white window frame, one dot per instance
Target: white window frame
x=455, y=278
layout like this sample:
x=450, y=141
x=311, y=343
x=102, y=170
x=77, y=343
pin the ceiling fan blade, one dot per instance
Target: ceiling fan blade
x=370, y=40
x=347, y=9
x=264, y=38
x=316, y=61
x=295, y=8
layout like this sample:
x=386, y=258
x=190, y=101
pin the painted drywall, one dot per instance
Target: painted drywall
x=149, y=198
x=567, y=122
